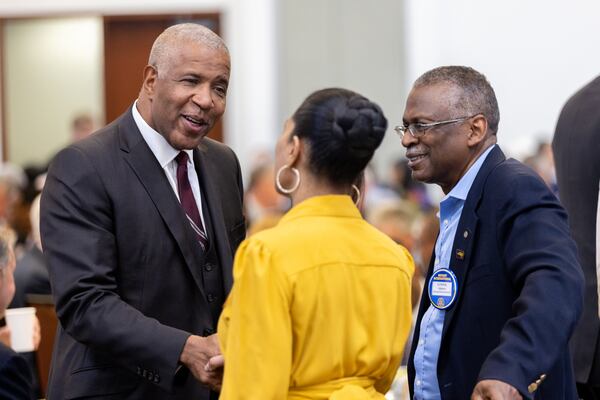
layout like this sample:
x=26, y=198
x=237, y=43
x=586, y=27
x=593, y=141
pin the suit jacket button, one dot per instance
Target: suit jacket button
x=209, y=267
x=532, y=387
x=211, y=297
x=150, y=376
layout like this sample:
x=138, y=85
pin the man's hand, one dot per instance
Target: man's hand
x=215, y=363
x=196, y=354
x=37, y=333
x=491, y=389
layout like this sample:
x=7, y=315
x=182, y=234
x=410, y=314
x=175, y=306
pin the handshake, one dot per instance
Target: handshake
x=202, y=356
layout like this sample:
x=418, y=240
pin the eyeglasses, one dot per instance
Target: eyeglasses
x=418, y=129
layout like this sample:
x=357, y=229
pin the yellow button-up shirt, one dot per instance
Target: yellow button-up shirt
x=320, y=308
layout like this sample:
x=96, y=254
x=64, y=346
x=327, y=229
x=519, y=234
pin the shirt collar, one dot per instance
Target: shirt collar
x=163, y=151
x=461, y=189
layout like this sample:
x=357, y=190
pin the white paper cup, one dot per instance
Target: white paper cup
x=21, y=322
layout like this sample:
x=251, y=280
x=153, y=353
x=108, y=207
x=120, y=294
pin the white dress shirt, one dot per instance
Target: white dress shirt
x=165, y=154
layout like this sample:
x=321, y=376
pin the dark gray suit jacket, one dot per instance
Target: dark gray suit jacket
x=125, y=266
x=576, y=148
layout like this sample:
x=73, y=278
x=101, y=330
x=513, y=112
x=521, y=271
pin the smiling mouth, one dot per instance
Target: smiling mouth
x=196, y=121
x=416, y=157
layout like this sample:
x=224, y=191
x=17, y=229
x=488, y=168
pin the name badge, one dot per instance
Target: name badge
x=442, y=288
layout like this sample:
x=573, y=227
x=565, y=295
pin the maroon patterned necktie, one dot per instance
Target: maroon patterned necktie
x=186, y=197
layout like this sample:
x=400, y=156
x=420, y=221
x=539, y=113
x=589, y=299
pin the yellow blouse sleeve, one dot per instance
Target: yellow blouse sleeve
x=256, y=328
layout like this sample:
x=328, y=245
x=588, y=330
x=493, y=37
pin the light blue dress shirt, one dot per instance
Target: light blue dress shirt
x=426, y=385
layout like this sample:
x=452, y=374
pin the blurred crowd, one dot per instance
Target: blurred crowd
x=20, y=191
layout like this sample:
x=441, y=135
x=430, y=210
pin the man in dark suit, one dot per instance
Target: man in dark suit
x=504, y=288
x=576, y=149
x=15, y=376
x=139, y=225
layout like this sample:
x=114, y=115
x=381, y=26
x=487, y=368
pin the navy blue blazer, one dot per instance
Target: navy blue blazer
x=520, y=289
x=15, y=377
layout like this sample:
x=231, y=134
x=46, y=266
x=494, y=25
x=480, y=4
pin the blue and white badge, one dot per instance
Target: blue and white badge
x=442, y=288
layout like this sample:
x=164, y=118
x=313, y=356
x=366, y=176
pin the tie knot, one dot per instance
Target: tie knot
x=182, y=158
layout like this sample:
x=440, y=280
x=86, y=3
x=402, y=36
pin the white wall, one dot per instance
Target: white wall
x=53, y=71
x=346, y=43
x=536, y=53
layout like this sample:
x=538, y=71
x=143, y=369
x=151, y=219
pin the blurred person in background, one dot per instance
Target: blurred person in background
x=31, y=272
x=542, y=162
x=261, y=199
x=407, y=188
x=81, y=127
x=374, y=191
x=15, y=374
x=139, y=223
x=577, y=152
x=31, y=277
x=14, y=208
x=320, y=306
x=398, y=221
x=428, y=228
x=504, y=287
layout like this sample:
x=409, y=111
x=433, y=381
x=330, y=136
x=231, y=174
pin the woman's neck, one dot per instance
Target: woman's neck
x=310, y=187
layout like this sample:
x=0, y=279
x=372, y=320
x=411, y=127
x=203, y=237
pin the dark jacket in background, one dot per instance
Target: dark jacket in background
x=576, y=149
x=15, y=377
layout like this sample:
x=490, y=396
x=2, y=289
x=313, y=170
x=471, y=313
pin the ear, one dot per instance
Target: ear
x=150, y=77
x=294, y=151
x=477, y=130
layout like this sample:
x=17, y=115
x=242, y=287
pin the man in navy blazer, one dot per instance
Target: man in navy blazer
x=124, y=218
x=504, y=288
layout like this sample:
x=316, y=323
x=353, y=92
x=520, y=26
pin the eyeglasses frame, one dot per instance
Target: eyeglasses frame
x=401, y=129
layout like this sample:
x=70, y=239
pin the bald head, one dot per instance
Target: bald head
x=169, y=41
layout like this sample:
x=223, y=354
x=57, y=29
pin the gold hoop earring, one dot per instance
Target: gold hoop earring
x=357, y=191
x=294, y=186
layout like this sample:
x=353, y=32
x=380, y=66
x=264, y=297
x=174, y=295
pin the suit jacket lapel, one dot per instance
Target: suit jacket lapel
x=141, y=159
x=208, y=174
x=462, y=248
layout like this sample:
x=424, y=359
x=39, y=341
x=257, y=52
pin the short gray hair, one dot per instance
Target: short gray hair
x=169, y=40
x=477, y=95
x=7, y=242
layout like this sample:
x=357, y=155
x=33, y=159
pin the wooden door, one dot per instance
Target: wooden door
x=127, y=44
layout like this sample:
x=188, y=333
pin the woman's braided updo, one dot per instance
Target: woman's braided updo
x=343, y=129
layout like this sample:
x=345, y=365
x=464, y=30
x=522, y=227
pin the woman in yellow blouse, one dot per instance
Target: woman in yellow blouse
x=320, y=306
